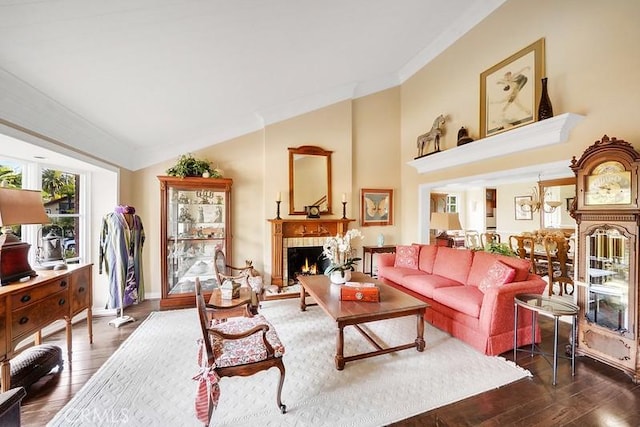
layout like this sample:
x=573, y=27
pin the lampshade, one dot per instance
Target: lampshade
x=445, y=221
x=18, y=207
x=21, y=207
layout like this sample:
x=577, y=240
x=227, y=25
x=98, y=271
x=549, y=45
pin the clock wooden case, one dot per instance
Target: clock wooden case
x=608, y=220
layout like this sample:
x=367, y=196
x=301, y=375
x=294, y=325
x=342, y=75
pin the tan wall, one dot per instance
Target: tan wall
x=590, y=56
x=376, y=135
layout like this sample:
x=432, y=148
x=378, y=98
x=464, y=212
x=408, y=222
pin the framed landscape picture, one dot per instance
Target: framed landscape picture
x=521, y=214
x=376, y=207
x=510, y=91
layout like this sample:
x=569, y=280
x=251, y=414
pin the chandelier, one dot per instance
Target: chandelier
x=535, y=204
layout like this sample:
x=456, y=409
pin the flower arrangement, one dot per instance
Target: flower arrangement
x=339, y=252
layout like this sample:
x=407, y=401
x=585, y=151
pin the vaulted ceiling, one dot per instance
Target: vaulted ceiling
x=136, y=82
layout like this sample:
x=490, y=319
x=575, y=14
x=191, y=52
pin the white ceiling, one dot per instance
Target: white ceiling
x=136, y=82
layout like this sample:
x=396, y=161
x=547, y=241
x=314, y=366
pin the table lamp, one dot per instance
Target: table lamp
x=18, y=207
x=445, y=221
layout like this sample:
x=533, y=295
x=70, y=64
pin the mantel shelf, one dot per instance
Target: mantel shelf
x=535, y=135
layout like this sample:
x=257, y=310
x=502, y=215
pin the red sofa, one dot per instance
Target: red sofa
x=470, y=294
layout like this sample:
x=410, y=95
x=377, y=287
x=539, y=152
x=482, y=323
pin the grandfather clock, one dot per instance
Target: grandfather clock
x=608, y=217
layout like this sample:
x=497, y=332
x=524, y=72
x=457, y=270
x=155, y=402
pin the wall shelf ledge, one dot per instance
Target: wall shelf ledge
x=535, y=135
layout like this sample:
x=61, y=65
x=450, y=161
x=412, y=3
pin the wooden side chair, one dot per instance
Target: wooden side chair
x=472, y=239
x=524, y=246
x=560, y=265
x=488, y=238
x=224, y=271
x=241, y=346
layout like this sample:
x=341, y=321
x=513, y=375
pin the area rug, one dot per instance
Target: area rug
x=147, y=381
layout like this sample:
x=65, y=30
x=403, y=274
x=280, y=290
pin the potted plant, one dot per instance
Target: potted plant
x=340, y=254
x=188, y=165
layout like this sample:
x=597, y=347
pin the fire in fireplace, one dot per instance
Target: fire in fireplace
x=305, y=260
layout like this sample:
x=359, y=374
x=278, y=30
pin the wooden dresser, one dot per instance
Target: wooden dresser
x=29, y=306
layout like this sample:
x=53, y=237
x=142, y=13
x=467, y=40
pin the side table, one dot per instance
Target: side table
x=554, y=307
x=371, y=250
x=219, y=308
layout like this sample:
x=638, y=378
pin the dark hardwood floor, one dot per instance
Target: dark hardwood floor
x=598, y=395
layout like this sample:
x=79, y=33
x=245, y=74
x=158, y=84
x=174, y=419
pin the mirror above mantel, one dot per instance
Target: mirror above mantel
x=309, y=179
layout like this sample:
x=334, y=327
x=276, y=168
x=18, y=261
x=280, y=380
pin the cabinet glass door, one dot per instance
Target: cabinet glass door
x=607, y=274
x=195, y=229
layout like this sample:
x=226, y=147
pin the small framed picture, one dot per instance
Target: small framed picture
x=376, y=207
x=519, y=202
x=510, y=91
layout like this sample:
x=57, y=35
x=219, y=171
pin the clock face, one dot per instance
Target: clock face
x=608, y=184
x=313, y=211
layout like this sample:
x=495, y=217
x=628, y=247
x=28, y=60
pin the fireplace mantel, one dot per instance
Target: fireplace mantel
x=295, y=228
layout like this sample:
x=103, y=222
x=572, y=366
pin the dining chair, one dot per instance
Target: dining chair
x=560, y=263
x=242, y=275
x=472, y=239
x=241, y=346
x=524, y=246
x=488, y=238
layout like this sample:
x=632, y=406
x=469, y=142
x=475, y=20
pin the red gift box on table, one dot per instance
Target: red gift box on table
x=359, y=291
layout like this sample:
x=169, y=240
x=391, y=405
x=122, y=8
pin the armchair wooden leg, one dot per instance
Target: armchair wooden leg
x=283, y=408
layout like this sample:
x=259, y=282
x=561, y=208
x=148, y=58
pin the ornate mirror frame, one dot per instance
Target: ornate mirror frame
x=567, y=196
x=309, y=166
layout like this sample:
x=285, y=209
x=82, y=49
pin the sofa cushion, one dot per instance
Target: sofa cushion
x=397, y=274
x=427, y=257
x=407, y=256
x=464, y=299
x=453, y=263
x=498, y=275
x=425, y=284
x=482, y=262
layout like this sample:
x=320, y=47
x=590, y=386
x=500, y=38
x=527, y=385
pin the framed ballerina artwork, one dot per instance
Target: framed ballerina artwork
x=376, y=207
x=510, y=91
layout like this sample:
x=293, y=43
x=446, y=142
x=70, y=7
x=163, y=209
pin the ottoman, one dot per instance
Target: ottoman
x=28, y=366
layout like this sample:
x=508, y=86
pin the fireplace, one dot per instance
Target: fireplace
x=291, y=232
x=304, y=260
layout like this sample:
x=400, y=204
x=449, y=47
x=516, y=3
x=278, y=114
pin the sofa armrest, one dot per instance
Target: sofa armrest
x=496, y=313
x=386, y=259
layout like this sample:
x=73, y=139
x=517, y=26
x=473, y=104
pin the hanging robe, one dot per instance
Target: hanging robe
x=121, y=255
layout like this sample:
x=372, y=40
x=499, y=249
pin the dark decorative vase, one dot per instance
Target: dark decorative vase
x=545, y=110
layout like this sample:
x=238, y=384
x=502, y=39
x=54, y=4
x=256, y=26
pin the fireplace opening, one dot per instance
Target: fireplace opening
x=307, y=260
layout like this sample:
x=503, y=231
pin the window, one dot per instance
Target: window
x=11, y=177
x=452, y=203
x=61, y=195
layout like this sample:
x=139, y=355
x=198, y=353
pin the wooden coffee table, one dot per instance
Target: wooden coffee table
x=393, y=303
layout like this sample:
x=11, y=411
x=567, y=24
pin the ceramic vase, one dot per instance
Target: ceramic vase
x=545, y=110
x=380, y=240
x=337, y=277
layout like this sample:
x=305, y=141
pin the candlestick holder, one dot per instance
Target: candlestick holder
x=278, y=209
x=344, y=210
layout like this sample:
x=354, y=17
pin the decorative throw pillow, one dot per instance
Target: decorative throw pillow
x=407, y=256
x=497, y=275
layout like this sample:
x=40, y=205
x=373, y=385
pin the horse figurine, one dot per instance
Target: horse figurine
x=433, y=135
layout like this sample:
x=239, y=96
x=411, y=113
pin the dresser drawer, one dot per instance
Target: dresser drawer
x=35, y=293
x=31, y=318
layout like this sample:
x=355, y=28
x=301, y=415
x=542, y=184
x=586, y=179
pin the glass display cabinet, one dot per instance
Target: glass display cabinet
x=608, y=215
x=195, y=221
